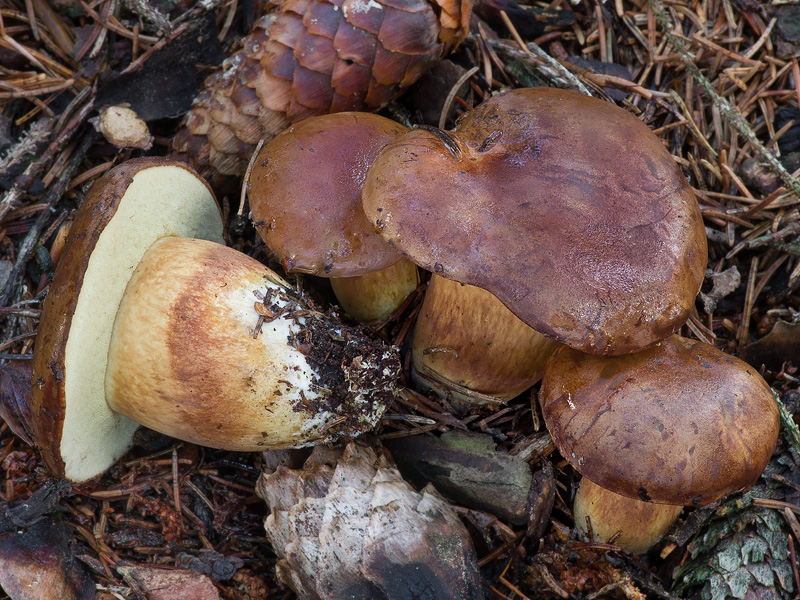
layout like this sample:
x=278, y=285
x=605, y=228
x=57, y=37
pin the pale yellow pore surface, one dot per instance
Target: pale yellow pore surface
x=161, y=201
x=184, y=361
x=641, y=524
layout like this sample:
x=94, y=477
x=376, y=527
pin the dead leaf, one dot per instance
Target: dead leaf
x=38, y=563
x=15, y=398
x=779, y=346
x=165, y=84
x=172, y=584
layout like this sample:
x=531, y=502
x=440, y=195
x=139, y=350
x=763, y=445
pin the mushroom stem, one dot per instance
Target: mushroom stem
x=375, y=296
x=627, y=522
x=233, y=359
x=466, y=343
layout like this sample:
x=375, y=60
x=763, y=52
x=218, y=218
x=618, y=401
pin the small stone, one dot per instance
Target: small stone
x=123, y=128
x=467, y=468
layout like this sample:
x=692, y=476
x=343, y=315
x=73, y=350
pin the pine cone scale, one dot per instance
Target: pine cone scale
x=410, y=32
x=390, y=67
x=364, y=15
x=322, y=18
x=348, y=80
x=370, y=536
x=314, y=57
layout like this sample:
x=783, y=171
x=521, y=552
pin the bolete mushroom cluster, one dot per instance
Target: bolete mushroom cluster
x=563, y=243
x=573, y=214
x=151, y=320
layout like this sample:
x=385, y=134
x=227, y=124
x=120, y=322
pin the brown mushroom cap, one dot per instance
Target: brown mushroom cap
x=126, y=211
x=679, y=423
x=566, y=208
x=305, y=195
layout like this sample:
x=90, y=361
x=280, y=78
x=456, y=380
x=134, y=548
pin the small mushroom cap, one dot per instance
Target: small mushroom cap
x=566, y=208
x=679, y=423
x=127, y=210
x=305, y=195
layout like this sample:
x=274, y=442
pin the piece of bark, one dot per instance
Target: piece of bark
x=209, y=562
x=541, y=499
x=44, y=500
x=172, y=584
x=466, y=468
x=787, y=30
x=346, y=525
x=724, y=283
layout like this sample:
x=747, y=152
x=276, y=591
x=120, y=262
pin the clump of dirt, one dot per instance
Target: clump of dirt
x=355, y=374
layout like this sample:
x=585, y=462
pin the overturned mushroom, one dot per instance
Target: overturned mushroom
x=566, y=208
x=305, y=196
x=186, y=336
x=678, y=424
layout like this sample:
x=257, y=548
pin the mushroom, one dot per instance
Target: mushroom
x=151, y=320
x=468, y=345
x=680, y=423
x=305, y=197
x=566, y=208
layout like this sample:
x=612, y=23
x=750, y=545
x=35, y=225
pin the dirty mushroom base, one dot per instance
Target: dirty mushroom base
x=123, y=214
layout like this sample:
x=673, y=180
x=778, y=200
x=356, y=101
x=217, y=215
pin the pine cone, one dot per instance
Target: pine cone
x=315, y=57
x=346, y=525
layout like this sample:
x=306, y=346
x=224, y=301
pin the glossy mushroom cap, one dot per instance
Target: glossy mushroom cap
x=566, y=208
x=305, y=195
x=679, y=423
x=126, y=211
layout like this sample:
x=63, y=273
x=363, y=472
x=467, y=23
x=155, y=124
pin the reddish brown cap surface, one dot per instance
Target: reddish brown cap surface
x=566, y=208
x=305, y=195
x=679, y=423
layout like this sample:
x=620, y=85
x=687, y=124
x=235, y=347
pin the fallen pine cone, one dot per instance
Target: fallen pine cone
x=314, y=57
x=346, y=525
